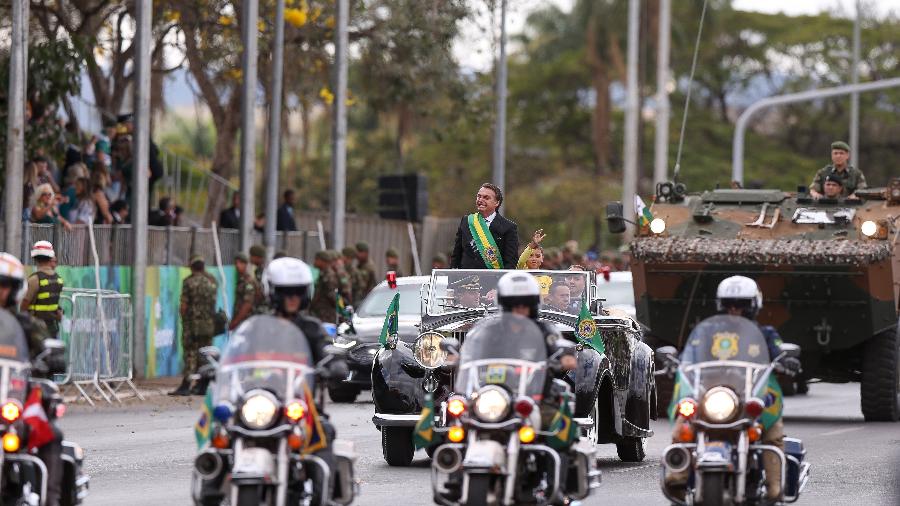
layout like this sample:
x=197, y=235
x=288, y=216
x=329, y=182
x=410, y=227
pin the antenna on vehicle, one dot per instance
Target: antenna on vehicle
x=687, y=100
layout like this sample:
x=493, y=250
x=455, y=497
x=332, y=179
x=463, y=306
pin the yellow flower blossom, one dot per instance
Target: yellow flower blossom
x=326, y=95
x=316, y=13
x=329, y=21
x=235, y=74
x=295, y=17
x=172, y=16
x=226, y=20
x=261, y=25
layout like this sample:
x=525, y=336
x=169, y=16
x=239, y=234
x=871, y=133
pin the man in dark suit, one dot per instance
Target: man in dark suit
x=231, y=217
x=285, y=219
x=505, y=233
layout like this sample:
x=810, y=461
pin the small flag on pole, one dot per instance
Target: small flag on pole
x=643, y=212
x=587, y=331
x=390, y=321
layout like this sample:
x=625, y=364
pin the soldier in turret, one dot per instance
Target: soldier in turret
x=853, y=178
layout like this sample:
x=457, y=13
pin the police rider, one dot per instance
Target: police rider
x=740, y=296
x=287, y=281
x=12, y=291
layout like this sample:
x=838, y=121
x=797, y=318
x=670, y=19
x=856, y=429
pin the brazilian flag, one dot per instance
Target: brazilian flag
x=390, y=321
x=562, y=427
x=771, y=394
x=343, y=313
x=586, y=329
x=202, y=427
x=681, y=390
x=423, y=434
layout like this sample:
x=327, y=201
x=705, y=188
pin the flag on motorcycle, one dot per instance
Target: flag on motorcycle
x=315, y=433
x=562, y=427
x=586, y=329
x=40, y=431
x=390, y=321
x=643, y=212
x=202, y=427
x=681, y=390
x=423, y=434
x=772, y=396
x=343, y=312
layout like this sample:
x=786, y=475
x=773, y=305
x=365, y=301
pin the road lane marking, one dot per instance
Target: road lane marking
x=840, y=431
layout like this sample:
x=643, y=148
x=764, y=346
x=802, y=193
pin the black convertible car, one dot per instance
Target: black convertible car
x=615, y=391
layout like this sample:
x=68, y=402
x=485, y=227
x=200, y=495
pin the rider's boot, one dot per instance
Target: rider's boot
x=183, y=389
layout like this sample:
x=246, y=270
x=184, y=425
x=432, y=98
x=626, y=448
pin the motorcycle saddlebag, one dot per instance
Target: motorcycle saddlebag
x=794, y=453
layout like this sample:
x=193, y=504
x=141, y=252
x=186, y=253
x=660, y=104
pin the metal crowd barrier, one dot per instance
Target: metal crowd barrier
x=99, y=342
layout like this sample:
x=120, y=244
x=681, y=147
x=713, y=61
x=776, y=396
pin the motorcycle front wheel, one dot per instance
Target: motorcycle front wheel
x=479, y=489
x=252, y=495
x=713, y=489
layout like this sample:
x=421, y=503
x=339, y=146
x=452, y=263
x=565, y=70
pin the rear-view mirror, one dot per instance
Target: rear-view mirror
x=615, y=221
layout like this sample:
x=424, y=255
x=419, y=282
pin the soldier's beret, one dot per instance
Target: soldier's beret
x=279, y=254
x=362, y=246
x=349, y=251
x=257, y=250
x=323, y=255
x=840, y=145
x=391, y=252
x=196, y=257
x=834, y=179
x=240, y=255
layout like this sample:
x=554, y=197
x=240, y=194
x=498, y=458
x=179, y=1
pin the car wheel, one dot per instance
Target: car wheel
x=397, y=445
x=632, y=449
x=343, y=393
x=880, y=386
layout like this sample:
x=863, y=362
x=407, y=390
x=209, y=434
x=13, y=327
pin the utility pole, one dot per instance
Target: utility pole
x=139, y=182
x=15, y=129
x=339, y=128
x=629, y=183
x=500, y=125
x=274, y=162
x=854, y=97
x=663, y=108
x=249, y=32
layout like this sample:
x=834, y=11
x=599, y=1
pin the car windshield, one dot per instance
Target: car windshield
x=616, y=293
x=507, y=350
x=463, y=289
x=376, y=303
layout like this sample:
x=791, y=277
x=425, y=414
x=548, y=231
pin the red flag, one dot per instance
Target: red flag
x=36, y=418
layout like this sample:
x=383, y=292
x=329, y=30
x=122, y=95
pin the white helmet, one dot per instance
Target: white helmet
x=12, y=272
x=741, y=292
x=42, y=249
x=519, y=288
x=287, y=275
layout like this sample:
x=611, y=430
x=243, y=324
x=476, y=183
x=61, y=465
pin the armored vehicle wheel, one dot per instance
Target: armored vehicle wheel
x=397, y=445
x=880, y=388
x=632, y=449
x=343, y=393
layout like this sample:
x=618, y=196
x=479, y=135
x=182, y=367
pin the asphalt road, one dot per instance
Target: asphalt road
x=141, y=454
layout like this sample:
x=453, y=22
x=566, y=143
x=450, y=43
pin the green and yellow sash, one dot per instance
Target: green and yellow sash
x=484, y=241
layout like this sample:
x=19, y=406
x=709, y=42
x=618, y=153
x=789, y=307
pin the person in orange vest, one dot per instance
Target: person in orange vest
x=44, y=288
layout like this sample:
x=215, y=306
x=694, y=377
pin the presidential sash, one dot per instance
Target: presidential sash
x=484, y=241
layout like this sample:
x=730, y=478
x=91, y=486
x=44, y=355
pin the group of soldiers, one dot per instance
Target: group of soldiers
x=348, y=274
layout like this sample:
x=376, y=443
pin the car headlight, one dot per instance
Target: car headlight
x=259, y=410
x=492, y=404
x=658, y=225
x=427, y=350
x=720, y=404
x=869, y=228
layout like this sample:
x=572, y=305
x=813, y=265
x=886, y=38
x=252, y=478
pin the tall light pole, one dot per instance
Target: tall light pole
x=629, y=181
x=249, y=36
x=663, y=108
x=854, y=97
x=499, y=175
x=15, y=128
x=139, y=183
x=339, y=128
x=274, y=162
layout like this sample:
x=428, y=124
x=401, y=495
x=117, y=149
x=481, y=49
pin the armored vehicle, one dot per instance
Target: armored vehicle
x=827, y=270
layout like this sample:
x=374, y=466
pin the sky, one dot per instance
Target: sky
x=474, y=51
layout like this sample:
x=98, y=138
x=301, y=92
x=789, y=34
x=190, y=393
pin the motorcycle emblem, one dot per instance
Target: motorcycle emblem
x=725, y=345
x=495, y=374
x=753, y=350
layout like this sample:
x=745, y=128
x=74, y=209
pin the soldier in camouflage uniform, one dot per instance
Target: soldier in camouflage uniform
x=365, y=270
x=345, y=281
x=852, y=177
x=392, y=262
x=323, y=304
x=247, y=292
x=198, y=309
x=258, y=259
x=348, y=256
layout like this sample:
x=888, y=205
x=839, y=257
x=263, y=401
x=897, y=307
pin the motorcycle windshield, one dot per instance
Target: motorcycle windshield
x=266, y=353
x=14, y=360
x=509, y=351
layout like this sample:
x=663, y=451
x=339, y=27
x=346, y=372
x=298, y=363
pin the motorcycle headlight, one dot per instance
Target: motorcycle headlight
x=492, y=404
x=720, y=404
x=259, y=410
x=427, y=350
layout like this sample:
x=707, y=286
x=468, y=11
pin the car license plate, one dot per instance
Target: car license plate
x=716, y=451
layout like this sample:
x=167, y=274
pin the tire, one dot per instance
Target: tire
x=343, y=393
x=397, y=446
x=880, y=386
x=713, y=489
x=632, y=449
x=248, y=495
x=479, y=487
x=788, y=385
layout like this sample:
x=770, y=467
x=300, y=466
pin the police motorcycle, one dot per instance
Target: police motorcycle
x=266, y=443
x=496, y=452
x=24, y=478
x=726, y=395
